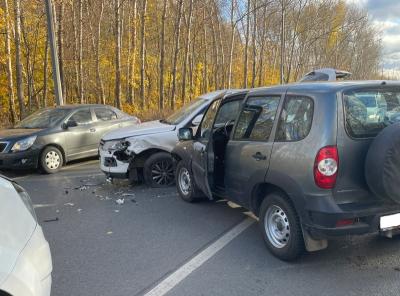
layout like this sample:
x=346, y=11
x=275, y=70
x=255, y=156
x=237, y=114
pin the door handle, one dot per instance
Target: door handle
x=259, y=156
x=92, y=130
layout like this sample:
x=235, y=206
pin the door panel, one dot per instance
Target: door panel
x=248, y=152
x=201, y=148
x=81, y=139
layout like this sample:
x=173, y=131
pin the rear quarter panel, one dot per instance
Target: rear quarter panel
x=292, y=163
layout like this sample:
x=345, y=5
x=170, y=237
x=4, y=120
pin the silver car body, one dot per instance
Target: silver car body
x=153, y=135
x=25, y=259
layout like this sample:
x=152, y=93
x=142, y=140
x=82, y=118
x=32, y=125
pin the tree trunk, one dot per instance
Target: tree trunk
x=18, y=64
x=186, y=55
x=176, y=51
x=75, y=51
x=162, y=57
x=117, y=54
x=132, y=55
x=205, y=70
x=232, y=43
x=254, y=33
x=142, y=52
x=246, y=47
x=10, y=83
x=60, y=41
x=80, y=53
x=45, y=63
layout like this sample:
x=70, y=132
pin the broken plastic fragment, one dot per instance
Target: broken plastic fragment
x=120, y=201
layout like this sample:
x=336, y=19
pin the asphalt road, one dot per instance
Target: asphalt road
x=156, y=244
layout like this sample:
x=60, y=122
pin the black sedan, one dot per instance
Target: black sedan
x=51, y=137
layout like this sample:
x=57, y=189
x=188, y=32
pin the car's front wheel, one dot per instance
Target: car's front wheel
x=187, y=189
x=281, y=228
x=51, y=160
x=158, y=170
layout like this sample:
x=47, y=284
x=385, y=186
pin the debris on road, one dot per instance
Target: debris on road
x=128, y=194
x=69, y=204
x=120, y=201
x=109, y=232
x=51, y=220
x=133, y=200
x=79, y=210
x=117, y=211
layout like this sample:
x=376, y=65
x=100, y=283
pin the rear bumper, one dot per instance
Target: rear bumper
x=20, y=160
x=366, y=219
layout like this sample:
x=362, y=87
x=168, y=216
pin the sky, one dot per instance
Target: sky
x=386, y=16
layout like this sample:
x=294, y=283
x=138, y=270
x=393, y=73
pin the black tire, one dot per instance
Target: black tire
x=291, y=245
x=382, y=164
x=161, y=163
x=51, y=160
x=191, y=193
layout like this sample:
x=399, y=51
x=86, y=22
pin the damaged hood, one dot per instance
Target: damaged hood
x=146, y=128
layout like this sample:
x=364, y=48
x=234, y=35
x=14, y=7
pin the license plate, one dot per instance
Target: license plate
x=390, y=222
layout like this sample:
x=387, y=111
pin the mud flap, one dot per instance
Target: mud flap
x=311, y=244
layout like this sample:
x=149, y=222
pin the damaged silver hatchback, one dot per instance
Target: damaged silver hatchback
x=142, y=153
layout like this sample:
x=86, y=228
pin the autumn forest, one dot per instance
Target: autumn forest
x=149, y=57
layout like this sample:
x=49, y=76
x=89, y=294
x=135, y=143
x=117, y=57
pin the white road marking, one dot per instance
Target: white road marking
x=43, y=205
x=185, y=270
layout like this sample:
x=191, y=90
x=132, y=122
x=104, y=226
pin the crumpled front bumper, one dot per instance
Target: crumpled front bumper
x=111, y=166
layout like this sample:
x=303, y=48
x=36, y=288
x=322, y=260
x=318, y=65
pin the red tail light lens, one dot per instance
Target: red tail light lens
x=326, y=167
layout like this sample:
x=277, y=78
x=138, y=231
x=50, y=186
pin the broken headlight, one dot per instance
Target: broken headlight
x=115, y=145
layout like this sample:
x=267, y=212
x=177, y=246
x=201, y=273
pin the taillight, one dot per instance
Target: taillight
x=326, y=167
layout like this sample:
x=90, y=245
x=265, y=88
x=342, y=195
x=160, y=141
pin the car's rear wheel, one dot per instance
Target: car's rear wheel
x=281, y=228
x=51, y=160
x=185, y=185
x=158, y=170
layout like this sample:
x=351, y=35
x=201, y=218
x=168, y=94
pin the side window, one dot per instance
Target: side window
x=208, y=119
x=82, y=117
x=227, y=112
x=295, y=120
x=257, y=118
x=105, y=114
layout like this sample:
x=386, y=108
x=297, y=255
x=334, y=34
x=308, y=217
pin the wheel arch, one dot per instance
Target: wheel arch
x=139, y=159
x=261, y=190
x=59, y=147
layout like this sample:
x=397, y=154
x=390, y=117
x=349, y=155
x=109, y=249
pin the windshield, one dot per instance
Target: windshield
x=43, y=118
x=184, y=112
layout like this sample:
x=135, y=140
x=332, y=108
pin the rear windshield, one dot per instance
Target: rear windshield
x=367, y=112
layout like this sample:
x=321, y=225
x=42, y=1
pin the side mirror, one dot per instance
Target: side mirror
x=196, y=121
x=185, y=134
x=69, y=123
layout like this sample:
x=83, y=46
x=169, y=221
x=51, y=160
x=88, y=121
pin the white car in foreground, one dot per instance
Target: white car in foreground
x=25, y=259
x=143, y=152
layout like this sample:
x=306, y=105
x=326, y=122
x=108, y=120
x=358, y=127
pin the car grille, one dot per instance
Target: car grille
x=3, y=146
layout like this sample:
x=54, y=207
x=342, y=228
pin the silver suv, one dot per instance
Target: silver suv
x=306, y=158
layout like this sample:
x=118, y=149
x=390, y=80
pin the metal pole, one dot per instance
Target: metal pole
x=283, y=43
x=54, y=55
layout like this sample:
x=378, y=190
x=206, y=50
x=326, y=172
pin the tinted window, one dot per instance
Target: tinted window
x=208, y=119
x=296, y=119
x=257, y=118
x=185, y=111
x=367, y=112
x=105, y=114
x=82, y=117
x=227, y=112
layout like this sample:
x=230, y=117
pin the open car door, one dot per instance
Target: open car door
x=203, y=150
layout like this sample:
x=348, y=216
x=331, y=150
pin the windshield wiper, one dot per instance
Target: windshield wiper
x=165, y=121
